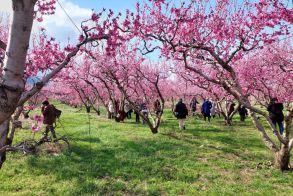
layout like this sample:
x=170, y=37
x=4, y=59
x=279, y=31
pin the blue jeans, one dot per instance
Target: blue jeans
x=280, y=125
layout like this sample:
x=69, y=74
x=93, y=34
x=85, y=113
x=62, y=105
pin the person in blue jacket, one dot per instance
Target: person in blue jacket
x=206, y=109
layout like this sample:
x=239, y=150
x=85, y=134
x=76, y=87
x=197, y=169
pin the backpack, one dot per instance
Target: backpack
x=57, y=112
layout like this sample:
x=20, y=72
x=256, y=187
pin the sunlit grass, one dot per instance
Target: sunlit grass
x=108, y=158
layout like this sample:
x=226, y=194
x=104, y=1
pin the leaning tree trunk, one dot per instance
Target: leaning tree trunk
x=282, y=153
x=12, y=84
x=96, y=110
x=282, y=158
x=228, y=120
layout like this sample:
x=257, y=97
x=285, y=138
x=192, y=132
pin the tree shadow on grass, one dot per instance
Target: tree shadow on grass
x=221, y=140
x=179, y=136
x=86, y=165
x=86, y=139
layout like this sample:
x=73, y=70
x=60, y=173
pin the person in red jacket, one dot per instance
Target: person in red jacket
x=49, y=114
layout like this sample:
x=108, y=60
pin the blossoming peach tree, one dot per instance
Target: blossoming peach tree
x=20, y=61
x=211, y=39
x=214, y=40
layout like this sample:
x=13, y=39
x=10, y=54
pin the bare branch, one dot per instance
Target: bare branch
x=2, y=45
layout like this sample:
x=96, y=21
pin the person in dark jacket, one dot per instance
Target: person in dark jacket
x=49, y=114
x=242, y=113
x=276, y=114
x=136, y=116
x=193, y=105
x=180, y=113
x=206, y=110
x=136, y=111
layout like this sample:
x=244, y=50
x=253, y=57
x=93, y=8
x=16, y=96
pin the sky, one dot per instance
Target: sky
x=59, y=25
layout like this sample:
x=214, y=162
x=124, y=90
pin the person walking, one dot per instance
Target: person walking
x=276, y=114
x=49, y=113
x=206, y=109
x=193, y=104
x=137, y=111
x=127, y=109
x=136, y=117
x=242, y=113
x=180, y=113
x=144, y=111
x=213, y=109
x=111, y=110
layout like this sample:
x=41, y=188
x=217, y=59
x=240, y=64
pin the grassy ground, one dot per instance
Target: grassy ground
x=108, y=158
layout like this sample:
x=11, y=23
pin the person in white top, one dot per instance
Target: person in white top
x=213, y=109
x=111, y=110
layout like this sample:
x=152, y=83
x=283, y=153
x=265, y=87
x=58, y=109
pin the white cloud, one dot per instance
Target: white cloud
x=60, y=26
x=6, y=6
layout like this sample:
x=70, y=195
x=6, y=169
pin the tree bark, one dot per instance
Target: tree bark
x=12, y=84
x=282, y=158
x=228, y=120
x=4, y=127
x=14, y=120
x=96, y=110
x=267, y=140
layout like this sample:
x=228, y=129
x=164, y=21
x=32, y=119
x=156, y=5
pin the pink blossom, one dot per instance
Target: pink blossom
x=36, y=128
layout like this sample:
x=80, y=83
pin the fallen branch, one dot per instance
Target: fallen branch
x=30, y=146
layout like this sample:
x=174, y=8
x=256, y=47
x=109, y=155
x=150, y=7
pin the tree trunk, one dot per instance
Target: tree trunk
x=4, y=127
x=96, y=110
x=88, y=109
x=12, y=84
x=282, y=158
x=228, y=120
x=14, y=120
x=154, y=130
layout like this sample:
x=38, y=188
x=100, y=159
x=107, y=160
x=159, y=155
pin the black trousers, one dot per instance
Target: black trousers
x=207, y=116
x=137, y=117
x=48, y=129
x=242, y=118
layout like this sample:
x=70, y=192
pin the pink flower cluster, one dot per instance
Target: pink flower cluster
x=37, y=126
x=38, y=118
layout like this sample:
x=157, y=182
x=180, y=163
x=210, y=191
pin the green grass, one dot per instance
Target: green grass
x=127, y=159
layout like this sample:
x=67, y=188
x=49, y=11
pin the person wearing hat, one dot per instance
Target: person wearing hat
x=49, y=114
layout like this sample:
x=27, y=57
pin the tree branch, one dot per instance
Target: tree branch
x=290, y=144
x=39, y=85
x=268, y=142
x=2, y=45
